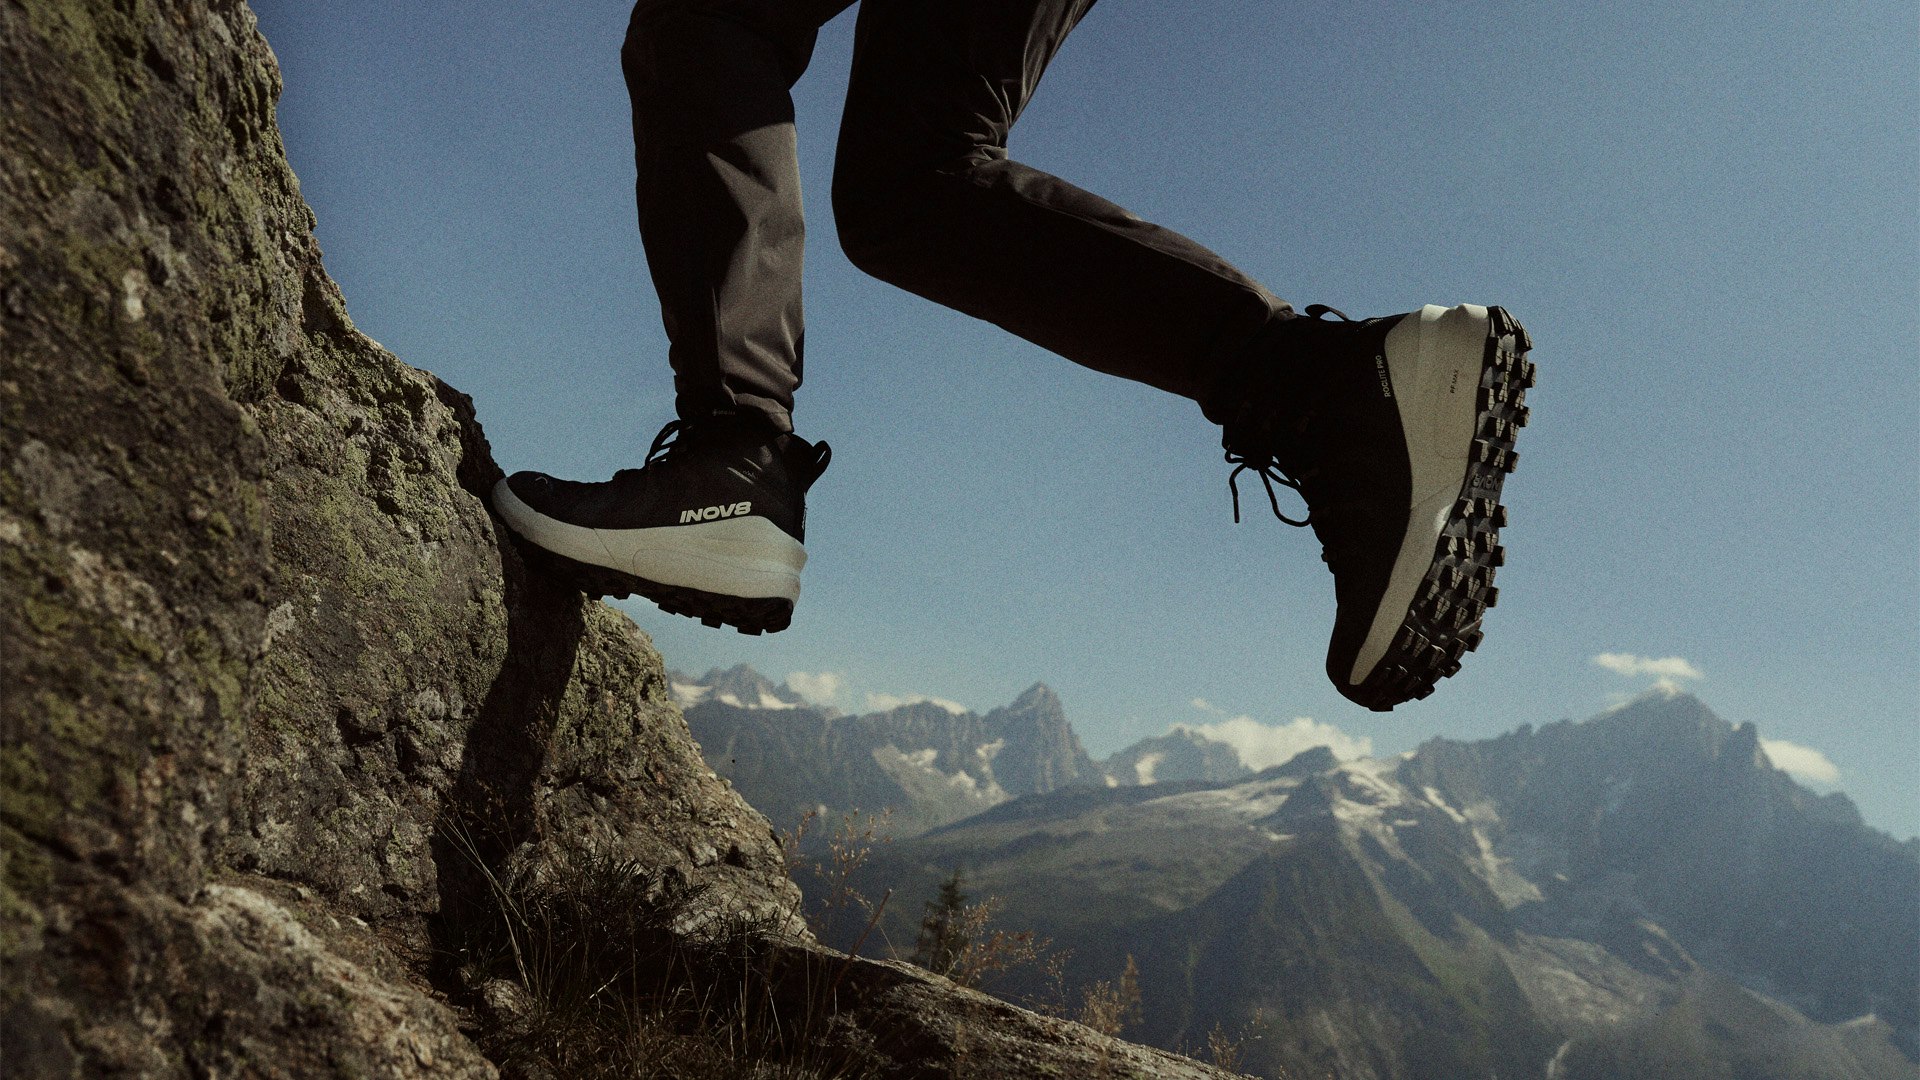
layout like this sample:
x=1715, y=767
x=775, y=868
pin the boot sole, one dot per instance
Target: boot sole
x=742, y=572
x=1442, y=583
x=748, y=615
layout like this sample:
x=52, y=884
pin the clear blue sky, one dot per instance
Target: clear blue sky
x=1708, y=216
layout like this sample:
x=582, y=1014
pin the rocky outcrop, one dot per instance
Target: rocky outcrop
x=280, y=705
x=260, y=629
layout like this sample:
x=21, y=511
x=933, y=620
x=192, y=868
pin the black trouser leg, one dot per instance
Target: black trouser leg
x=719, y=193
x=926, y=198
x=923, y=191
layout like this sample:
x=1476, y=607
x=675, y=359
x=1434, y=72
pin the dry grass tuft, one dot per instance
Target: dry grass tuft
x=592, y=970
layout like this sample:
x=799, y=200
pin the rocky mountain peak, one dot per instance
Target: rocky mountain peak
x=743, y=686
x=1039, y=698
x=1037, y=708
x=1309, y=762
x=1046, y=753
x=1180, y=755
x=1743, y=748
x=1675, y=726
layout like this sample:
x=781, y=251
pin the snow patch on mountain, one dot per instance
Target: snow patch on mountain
x=740, y=687
x=919, y=770
x=768, y=701
x=1248, y=802
x=687, y=696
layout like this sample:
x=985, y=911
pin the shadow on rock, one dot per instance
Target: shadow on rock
x=492, y=809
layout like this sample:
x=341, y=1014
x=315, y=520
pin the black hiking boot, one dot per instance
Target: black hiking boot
x=711, y=526
x=1399, y=434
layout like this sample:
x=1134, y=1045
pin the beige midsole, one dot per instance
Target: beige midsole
x=1434, y=358
x=748, y=557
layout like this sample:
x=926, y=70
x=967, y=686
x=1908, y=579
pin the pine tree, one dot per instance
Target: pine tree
x=943, y=934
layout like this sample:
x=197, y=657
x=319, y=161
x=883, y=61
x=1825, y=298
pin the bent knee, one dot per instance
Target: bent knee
x=860, y=222
x=893, y=222
x=880, y=234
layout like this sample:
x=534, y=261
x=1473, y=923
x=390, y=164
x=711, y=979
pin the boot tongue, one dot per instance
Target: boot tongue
x=752, y=438
x=804, y=460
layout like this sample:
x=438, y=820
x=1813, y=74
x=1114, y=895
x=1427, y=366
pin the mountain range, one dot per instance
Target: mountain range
x=929, y=763
x=1638, y=894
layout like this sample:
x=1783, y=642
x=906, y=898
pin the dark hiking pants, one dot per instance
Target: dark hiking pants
x=923, y=194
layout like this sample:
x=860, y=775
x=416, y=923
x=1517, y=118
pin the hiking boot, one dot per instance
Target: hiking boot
x=1398, y=432
x=710, y=526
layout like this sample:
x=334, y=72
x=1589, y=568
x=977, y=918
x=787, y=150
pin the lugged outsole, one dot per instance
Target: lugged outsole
x=1443, y=623
x=749, y=615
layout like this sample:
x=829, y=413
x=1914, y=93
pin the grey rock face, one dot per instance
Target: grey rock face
x=276, y=696
x=1042, y=753
x=257, y=615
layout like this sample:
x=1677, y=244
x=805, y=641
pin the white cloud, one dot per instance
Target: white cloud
x=1669, y=669
x=1263, y=746
x=888, y=702
x=821, y=689
x=1803, y=762
x=1207, y=706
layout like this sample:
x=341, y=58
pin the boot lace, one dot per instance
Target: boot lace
x=665, y=444
x=1332, y=522
x=1266, y=466
x=1265, y=462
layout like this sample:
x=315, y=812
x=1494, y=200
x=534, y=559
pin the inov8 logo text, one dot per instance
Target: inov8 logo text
x=714, y=513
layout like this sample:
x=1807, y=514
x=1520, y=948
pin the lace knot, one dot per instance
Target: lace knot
x=1267, y=467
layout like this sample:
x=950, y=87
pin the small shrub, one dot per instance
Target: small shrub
x=1108, y=1007
x=943, y=932
x=1227, y=1050
x=955, y=941
x=828, y=882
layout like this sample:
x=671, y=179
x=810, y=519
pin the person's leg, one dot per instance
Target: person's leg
x=712, y=525
x=718, y=190
x=926, y=197
x=1397, y=432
